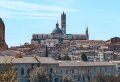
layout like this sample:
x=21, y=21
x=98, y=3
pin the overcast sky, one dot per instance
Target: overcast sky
x=23, y=18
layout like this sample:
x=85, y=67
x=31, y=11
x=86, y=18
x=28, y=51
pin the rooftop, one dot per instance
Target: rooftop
x=81, y=63
x=49, y=60
x=46, y=60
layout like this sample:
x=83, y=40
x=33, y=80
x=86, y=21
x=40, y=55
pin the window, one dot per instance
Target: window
x=38, y=65
x=22, y=71
x=37, y=37
x=105, y=68
x=28, y=71
x=66, y=71
x=32, y=66
x=15, y=69
x=61, y=71
x=118, y=67
x=51, y=70
x=79, y=78
x=72, y=71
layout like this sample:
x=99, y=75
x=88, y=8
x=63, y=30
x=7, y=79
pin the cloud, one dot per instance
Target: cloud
x=18, y=5
x=21, y=9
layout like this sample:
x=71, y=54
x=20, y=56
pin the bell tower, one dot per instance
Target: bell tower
x=63, y=22
x=3, y=45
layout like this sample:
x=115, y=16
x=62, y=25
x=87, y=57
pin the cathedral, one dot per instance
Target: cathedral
x=60, y=33
x=3, y=45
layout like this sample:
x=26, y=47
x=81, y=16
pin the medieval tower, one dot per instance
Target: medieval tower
x=63, y=22
x=3, y=45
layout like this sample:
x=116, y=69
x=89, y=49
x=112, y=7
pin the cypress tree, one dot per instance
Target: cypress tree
x=46, y=51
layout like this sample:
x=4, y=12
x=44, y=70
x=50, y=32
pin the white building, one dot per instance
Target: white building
x=50, y=42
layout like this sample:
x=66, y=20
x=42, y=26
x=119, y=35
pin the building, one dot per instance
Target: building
x=89, y=44
x=79, y=70
x=3, y=45
x=60, y=33
x=50, y=42
x=114, y=44
x=85, y=71
x=117, y=66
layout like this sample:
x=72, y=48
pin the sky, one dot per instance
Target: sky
x=23, y=18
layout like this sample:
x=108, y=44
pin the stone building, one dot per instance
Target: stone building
x=60, y=33
x=114, y=44
x=90, y=44
x=80, y=71
x=3, y=45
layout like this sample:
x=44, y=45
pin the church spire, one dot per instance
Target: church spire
x=63, y=13
x=46, y=51
x=87, y=34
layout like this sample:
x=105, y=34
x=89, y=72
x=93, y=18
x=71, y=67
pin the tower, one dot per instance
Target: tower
x=3, y=45
x=2, y=31
x=63, y=22
x=87, y=34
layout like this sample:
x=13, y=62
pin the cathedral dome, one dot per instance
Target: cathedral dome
x=57, y=30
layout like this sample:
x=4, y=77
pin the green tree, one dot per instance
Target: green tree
x=59, y=57
x=46, y=51
x=84, y=57
x=39, y=74
x=66, y=57
x=8, y=74
x=67, y=79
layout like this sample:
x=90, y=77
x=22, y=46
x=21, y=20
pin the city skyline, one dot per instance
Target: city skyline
x=24, y=18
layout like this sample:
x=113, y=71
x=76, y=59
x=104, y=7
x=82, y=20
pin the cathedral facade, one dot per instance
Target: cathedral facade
x=60, y=33
x=3, y=45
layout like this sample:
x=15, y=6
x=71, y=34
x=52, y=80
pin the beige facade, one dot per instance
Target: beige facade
x=79, y=70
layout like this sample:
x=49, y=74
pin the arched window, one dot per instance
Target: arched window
x=22, y=71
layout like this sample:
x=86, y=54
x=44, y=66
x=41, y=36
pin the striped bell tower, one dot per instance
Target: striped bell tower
x=63, y=22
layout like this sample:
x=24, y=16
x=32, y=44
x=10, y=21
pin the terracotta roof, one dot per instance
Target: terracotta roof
x=89, y=41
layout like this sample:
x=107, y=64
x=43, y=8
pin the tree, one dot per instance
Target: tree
x=8, y=74
x=59, y=57
x=84, y=57
x=66, y=57
x=39, y=74
x=106, y=78
x=46, y=51
x=67, y=79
